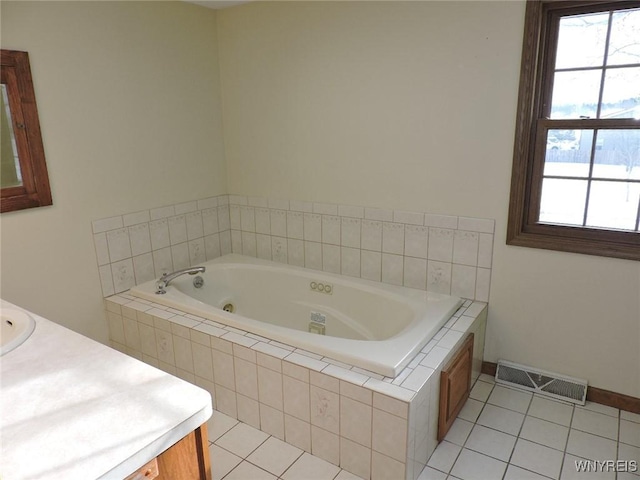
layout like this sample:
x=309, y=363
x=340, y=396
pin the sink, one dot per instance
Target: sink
x=16, y=326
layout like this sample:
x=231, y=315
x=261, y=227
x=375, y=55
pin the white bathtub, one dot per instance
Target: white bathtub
x=370, y=325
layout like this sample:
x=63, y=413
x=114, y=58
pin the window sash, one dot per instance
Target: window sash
x=543, y=127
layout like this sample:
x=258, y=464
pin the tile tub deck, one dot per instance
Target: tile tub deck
x=369, y=425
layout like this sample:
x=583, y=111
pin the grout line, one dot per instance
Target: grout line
x=518, y=437
x=245, y=460
x=564, y=456
x=618, y=442
x=277, y=476
x=226, y=450
x=289, y=467
x=596, y=435
x=476, y=423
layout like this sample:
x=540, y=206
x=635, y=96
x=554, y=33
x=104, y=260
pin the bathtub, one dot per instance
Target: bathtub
x=370, y=325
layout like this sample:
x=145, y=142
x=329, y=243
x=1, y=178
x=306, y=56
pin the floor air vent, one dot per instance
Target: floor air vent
x=545, y=383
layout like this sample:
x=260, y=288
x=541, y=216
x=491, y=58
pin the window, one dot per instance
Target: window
x=576, y=171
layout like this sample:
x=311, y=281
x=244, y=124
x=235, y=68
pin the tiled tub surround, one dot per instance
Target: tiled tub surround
x=442, y=254
x=141, y=246
x=372, y=426
x=437, y=253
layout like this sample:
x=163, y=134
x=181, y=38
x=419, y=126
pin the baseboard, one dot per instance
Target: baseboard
x=594, y=394
x=489, y=368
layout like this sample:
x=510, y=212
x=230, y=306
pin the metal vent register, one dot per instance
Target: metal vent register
x=542, y=382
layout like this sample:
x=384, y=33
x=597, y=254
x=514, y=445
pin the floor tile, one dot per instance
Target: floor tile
x=491, y=442
x=444, y=456
x=631, y=417
x=274, y=456
x=517, y=473
x=471, y=410
x=311, y=468
x=429, y=473
x=510, y=399
x=474, y=466
x=219, y=424
x=570, y=471
x=597, y=407
x=459, y=431
x=513, y=435
x=344, y=475
x=506, y=421
x=630, y=454
x=537, y=458
x=242, y=440
x=630, y=433
x=246, y=471
x=546, y=433
x=481, y=391
x=551, y=410
x=222, y=462
x=597, y=423
x=591, y=447
x=626, y=476
x=487, y=378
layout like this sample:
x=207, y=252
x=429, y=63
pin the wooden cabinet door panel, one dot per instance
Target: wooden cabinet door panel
x=455, y=386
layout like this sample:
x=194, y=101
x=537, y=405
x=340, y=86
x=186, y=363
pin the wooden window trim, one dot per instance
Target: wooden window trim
x=522, y=227
x=35, y=190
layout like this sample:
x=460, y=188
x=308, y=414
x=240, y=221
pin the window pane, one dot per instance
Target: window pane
x=581, y=40
x=563, y=201
x=621, y=95
x=613, y=205
x=568, y=153
x=617, y=154
x=624, y=43
x=575, y=94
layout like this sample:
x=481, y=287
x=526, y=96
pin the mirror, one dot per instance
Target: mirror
x=10, y=175
x=24, y=180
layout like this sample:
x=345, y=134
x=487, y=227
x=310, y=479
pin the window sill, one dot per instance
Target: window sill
x=605, y=243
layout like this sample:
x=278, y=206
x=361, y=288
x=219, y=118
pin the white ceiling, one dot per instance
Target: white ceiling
x=217, y=4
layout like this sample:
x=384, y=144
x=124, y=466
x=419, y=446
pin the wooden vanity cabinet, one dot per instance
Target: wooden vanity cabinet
x=188, y=459
x=455, y=386
x=146, y=472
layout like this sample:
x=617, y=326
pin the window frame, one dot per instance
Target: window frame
x=523, y=229
x=35, y=190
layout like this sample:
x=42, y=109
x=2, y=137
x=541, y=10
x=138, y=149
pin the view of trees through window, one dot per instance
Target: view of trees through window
x=591, y=172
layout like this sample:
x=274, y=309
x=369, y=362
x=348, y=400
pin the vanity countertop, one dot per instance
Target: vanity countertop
x=72, y=408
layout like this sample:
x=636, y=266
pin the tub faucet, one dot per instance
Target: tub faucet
x=167, y=278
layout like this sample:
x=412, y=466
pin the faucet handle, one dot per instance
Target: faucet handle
x=160, y=286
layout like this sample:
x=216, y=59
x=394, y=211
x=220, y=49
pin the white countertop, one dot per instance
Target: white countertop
x=72, y=408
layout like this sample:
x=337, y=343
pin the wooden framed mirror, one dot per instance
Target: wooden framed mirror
x=23, y=169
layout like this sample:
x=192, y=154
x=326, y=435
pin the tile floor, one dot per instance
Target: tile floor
x=508, y=434
x=501, y=434
x=241, y=452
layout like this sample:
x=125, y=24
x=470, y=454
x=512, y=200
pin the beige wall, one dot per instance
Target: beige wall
x=390, y=104
x=412, y=106
x=128, y=97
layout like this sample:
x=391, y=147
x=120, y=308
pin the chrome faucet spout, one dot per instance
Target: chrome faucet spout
x=167, y=278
